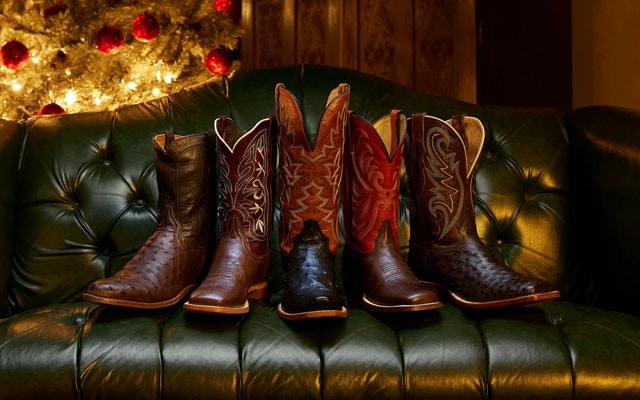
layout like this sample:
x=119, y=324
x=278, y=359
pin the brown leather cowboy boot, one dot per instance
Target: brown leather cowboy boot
x=169, y=263
x=310, y=178
x=372, y=264
x=444, y=246
x=240, y=267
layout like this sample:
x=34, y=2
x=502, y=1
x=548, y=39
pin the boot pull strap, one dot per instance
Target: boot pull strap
x=169, y=136
x=219, y=126
x=417, y=126
x=340, y=89
x=348, y=118
x=398, y=126
x=457, y=121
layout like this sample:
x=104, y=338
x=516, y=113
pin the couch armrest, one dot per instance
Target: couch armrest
x=604, y=154
x=10, y=145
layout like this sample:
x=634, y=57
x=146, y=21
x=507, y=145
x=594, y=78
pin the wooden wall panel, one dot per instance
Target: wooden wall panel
x=434, y=46
x=269, y=36
x=385, y=39
x=445, y=48
x=311, y=31
x=425, y=44
x=326, y=32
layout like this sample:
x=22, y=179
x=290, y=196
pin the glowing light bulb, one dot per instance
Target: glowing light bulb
x=155, y=91
x=70, y=97
x=132, y=86
x=16, y=87
x=168, y=77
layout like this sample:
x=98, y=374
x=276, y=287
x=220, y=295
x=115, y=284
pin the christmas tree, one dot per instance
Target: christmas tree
x=89, y=55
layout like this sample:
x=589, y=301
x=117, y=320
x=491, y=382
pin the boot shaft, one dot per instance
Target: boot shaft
x=182, y=172
x=441, y=162
x=310, y=175
x=372, y=178
x=245, y=172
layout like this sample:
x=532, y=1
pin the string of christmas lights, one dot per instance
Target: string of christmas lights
x=90, y=55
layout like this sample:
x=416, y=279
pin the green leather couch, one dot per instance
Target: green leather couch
x=558, y=196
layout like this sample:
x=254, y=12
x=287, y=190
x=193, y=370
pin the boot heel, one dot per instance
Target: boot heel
x=259, y=291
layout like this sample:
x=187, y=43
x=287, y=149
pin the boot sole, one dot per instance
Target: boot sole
x=107, y=301
x=342, y=313
x=203, y=308
x=513, y=302
x=372, y=306
x=256, y=292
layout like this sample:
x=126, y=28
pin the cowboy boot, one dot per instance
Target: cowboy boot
x=373, y=157
x=240, y=267
x=169, y=263
x=310, y=178
x=444, y=246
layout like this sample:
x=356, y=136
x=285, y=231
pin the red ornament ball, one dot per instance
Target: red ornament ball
x=145, y=27
x=14, y=54
x=223, y=6
x=218, y=61
x=109, y=39
x=55, y=9
x=50, y=109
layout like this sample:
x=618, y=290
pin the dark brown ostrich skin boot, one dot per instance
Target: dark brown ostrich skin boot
x=444, y=246
x=240, y=267
x=169, y=263
x=373, y=267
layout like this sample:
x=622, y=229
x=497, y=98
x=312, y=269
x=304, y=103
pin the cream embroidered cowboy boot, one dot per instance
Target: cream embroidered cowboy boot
x=240, y=267
x=444, y=246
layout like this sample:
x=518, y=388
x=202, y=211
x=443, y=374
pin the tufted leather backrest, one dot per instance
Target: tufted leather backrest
x=10, y=143
x=86, y=193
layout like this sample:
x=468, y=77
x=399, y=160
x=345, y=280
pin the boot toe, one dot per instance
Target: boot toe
x=299, y=304
x=208, y=298
x=314, y=306
x=426, y=296
x=108, y=288
x=217, y=300
x=405, y=299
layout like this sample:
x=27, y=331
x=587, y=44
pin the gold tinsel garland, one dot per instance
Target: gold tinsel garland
x=65, y=67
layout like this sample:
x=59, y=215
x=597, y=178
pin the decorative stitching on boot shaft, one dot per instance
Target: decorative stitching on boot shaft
x=310, y=178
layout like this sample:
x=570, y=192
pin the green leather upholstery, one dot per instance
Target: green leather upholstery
x=10, y=142
x=556, y=198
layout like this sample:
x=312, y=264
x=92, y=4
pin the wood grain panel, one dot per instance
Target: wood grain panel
x=269, y=36
x=311, y=31
x=385, y=39
x=445, y=56
x=434, y=46
x=425, y=44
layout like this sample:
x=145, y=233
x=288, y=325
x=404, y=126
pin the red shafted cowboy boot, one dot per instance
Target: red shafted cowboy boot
x=169, y=263
x=372, y=259
x=240, y=267
x=310, y=179
x=444, y=246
